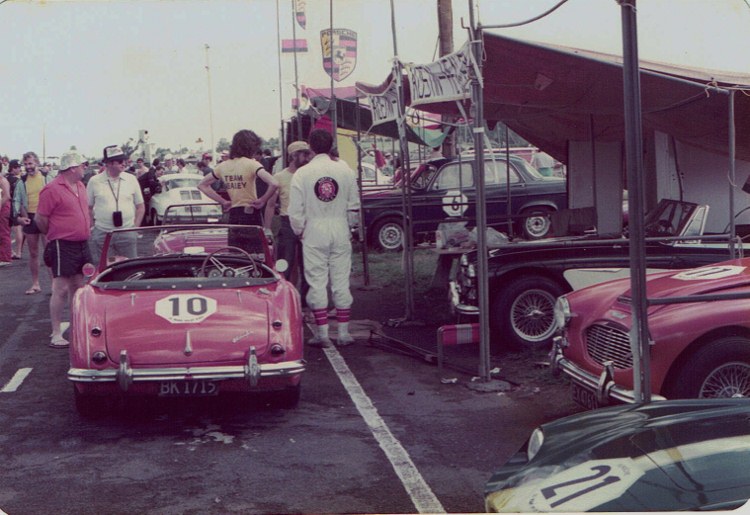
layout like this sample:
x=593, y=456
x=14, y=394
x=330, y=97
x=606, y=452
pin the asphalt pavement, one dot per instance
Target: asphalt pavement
x=376, y=431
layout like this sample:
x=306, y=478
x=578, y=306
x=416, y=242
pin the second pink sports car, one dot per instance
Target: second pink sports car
x=697, y=349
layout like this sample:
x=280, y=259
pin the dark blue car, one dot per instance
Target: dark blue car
x=444, y=191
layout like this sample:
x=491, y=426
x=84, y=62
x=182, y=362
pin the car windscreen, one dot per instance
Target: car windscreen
x=182, y=183
x=459, y=175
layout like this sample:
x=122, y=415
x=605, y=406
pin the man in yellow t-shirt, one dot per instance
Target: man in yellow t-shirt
x=25, y=203
x=238, y=174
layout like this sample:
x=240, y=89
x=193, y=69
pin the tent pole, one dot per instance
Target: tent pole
x=408, y=239
x=732, y=175
x=639, y=338
x=362, y=231
x=477, y=100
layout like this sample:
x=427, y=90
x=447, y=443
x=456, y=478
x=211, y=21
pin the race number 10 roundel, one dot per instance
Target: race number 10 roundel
x=185, y=308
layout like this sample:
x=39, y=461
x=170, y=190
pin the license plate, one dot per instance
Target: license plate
x=198, y=388
x=584, y=397
x=195, y=209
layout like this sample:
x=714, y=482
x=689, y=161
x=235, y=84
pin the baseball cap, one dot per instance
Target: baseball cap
x=113, y=152
x=69, y=160
x=296, y=146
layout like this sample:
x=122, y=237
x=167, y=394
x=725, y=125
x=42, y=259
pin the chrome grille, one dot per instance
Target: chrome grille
x=608, y=343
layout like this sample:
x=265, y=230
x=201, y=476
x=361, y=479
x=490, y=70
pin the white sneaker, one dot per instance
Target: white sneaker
x=322, y=342
x=344, y=339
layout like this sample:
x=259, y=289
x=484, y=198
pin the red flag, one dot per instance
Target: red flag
x=293, y=45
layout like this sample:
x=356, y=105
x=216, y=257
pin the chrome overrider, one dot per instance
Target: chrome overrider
x=603, y=386
x=125, y=374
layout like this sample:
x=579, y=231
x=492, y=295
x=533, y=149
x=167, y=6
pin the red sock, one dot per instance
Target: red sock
x=321, y=316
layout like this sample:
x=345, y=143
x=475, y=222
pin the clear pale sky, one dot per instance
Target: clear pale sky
x=92, y=73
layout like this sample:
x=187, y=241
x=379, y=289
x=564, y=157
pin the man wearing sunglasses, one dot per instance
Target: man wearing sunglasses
x=116, y=202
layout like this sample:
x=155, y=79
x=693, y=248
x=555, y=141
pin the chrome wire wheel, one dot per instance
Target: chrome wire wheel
x=728, y=380
x=532, y=315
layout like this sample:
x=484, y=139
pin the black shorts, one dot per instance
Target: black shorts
x=32, y=227
x=66, y=258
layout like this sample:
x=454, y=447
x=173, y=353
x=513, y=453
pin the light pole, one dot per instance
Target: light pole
x=210, y=106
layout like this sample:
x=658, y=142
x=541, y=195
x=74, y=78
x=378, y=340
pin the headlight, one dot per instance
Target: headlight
x=536, y=440
x=562, y=313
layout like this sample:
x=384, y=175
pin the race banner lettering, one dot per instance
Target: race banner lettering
x=384, y=106
x=339, y=52
x=444, y=80
x=299, y=12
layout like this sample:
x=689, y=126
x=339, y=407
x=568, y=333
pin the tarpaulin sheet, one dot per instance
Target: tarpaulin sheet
x=551, y=95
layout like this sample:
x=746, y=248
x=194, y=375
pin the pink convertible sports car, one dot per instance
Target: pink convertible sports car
x=698, y=349
x=201, y=310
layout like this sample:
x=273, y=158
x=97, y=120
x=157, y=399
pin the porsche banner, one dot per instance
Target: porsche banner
x=448, y=78
x=299, y=12
x=339, y=52
x=385, y=105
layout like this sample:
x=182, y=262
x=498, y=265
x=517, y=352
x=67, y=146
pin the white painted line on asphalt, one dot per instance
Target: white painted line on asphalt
x=421, y=495
x=16, y=380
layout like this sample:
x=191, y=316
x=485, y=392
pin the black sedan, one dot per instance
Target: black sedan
x=518, y=198
x=525, y=278
x=662, y=456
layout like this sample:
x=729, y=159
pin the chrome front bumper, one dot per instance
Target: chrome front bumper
x=603, y=386
x=456, y=306
x=125, y=375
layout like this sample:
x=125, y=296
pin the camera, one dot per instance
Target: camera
x=117, y=218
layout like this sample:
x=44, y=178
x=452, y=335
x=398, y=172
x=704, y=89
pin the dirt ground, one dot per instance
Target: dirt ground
x=383, y=302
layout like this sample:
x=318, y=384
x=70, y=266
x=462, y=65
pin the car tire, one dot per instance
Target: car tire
x=388, y=235
x=719, y=369
x=90, y=406
x=537, y=223
x=523, y=312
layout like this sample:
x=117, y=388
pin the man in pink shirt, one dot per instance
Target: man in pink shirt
x=63, y=215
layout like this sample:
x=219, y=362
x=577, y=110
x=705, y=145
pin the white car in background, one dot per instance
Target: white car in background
x=181, y=200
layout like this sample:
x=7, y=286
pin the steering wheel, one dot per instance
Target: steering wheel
x=663, y=228
x=226, y=270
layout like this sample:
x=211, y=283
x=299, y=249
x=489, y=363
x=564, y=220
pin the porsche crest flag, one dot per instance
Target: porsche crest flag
x=339, y=52
x=299, y=12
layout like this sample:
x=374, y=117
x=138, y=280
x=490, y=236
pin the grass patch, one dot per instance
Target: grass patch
x=387, y=269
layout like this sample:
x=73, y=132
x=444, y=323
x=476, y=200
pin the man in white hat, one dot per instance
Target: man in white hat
x=288, y=246
x=63, y=215
x=116, y=202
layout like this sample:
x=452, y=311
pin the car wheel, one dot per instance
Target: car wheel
x=536, y=224
x=720, y=368
x=90, y=406
x=523, y=312
x=388, y=235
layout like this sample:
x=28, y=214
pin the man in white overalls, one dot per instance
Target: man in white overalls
x=323, y=192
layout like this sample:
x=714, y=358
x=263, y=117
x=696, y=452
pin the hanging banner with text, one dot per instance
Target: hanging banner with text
x=447, y=79
x=385, y=105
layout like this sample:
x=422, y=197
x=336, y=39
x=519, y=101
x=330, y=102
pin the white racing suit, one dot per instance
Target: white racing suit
x=322, y=194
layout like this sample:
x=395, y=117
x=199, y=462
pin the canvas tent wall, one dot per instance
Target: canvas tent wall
x=569, y=103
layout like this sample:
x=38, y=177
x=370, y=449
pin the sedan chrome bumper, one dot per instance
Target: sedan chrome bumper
x=456, y=306
x=125, y=375
x=603, y=385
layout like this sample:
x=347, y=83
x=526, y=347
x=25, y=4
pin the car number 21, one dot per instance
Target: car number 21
x=584, y=486
x=185, y=308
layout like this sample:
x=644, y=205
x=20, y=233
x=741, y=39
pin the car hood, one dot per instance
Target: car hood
x=665, y=455
x=704, y=280
x=183, y=328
